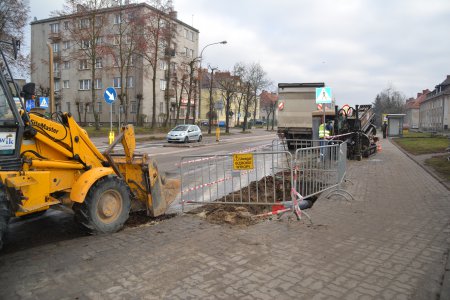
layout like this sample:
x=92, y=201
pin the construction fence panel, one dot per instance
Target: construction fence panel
x=320, y=168
x=255, y=178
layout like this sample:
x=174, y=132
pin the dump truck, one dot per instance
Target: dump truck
x=298, y=117
x=48, y=160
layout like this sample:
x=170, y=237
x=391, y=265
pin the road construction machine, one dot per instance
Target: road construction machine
x=48, y=160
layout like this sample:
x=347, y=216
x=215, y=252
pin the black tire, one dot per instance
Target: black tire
x=33, y=215
x=199, y=138
x=5, y=214
x=186, y=140
x=106, y=207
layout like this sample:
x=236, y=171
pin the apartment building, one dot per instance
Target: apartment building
x=434, y=110
x=72, y=76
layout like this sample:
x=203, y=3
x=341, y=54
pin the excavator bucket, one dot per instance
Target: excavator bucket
x=163, y=191
x=149, y=188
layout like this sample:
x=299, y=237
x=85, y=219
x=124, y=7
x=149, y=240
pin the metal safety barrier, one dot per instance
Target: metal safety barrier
x=255, y=178
x=320, y=169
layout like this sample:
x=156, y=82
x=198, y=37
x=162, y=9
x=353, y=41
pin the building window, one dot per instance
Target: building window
x=66, y=84
x=162, y=84
x=66, y=25
x=117, y=19
x=99, y=106
x=128, y=39
x=66, y=45
x=116, y=39
x=98, y=21
x=83, y=64
x=186, y=51
x=131, y=61
x=84, y=23
x=55, y=48
x=54, y=28
x=98, y=63
x=68, y=106
x=99, y=40
x=66, y=64
x=191, y=53
x=85, y=84
x=98, y=84
x=117, y=82
x=133, y=107
x=173, y=67
x=163, y=65
x=85, y=44
x=130, y=82
x=57, y=86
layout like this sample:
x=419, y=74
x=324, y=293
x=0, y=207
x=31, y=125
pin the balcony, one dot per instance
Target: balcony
x=57, y=74
x=55, y=36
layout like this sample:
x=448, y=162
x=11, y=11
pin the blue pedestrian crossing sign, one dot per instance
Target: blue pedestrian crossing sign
x=110, y=95
x=29, y=104
x=43, y=102
x=323, y=95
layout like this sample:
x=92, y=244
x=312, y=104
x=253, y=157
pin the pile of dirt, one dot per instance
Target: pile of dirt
x=240, y=214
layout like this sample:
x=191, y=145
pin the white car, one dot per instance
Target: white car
x=185, y=133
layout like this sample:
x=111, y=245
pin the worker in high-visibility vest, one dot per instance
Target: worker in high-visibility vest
x=324, y=133
x=324, y=130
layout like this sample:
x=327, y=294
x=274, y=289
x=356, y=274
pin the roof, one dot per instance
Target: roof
x=112, y=9
x=441, y=89
x=414, y=103
x=268, y=98
x=311, y=84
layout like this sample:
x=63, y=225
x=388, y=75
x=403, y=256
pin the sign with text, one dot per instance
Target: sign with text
x=243, y=161
x=7, y=140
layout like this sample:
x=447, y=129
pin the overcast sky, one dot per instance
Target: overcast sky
x=357, y=47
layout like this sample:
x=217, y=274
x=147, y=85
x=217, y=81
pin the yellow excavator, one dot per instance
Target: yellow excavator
x=50, y=160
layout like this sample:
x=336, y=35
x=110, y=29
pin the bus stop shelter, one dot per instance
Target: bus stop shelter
x=395, y=125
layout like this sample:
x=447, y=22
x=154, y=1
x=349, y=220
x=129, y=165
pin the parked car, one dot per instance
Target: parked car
x=185, y=134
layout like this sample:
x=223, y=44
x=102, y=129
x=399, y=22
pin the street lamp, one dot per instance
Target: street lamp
x=200, y=76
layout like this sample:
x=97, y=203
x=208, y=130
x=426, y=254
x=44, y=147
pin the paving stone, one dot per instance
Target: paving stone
x=388, y=244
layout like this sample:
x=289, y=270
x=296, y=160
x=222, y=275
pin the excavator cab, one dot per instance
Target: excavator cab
x=11, y=123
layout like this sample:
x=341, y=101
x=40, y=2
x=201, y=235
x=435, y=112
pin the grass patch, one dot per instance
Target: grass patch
x=415, y=134
x=423, y=145
x=104, y=131
x=440, y=164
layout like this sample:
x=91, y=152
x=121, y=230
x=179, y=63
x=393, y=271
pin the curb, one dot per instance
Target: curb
x=429, y=170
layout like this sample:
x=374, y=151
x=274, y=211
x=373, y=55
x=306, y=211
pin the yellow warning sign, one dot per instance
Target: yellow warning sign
x=243, y=161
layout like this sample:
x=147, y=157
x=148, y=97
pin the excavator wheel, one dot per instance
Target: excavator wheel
x=106, y=207
x=5, y=214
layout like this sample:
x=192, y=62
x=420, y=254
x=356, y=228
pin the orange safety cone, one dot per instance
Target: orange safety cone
x=378, y=147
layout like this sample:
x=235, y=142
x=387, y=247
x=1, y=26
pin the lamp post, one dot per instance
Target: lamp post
x=200, y=76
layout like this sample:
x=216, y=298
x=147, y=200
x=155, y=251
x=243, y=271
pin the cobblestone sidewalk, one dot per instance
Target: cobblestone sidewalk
x=390, y=243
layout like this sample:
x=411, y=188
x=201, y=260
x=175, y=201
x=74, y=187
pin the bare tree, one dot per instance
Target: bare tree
x=229, y=85
x=13, y=19
x=86, y=29
x=389, y=100
x=153, y=42
x=268, y=104
x=258, y=80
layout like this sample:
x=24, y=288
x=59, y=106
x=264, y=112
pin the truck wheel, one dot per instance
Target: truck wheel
x=5, y=214
x=106, y=207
